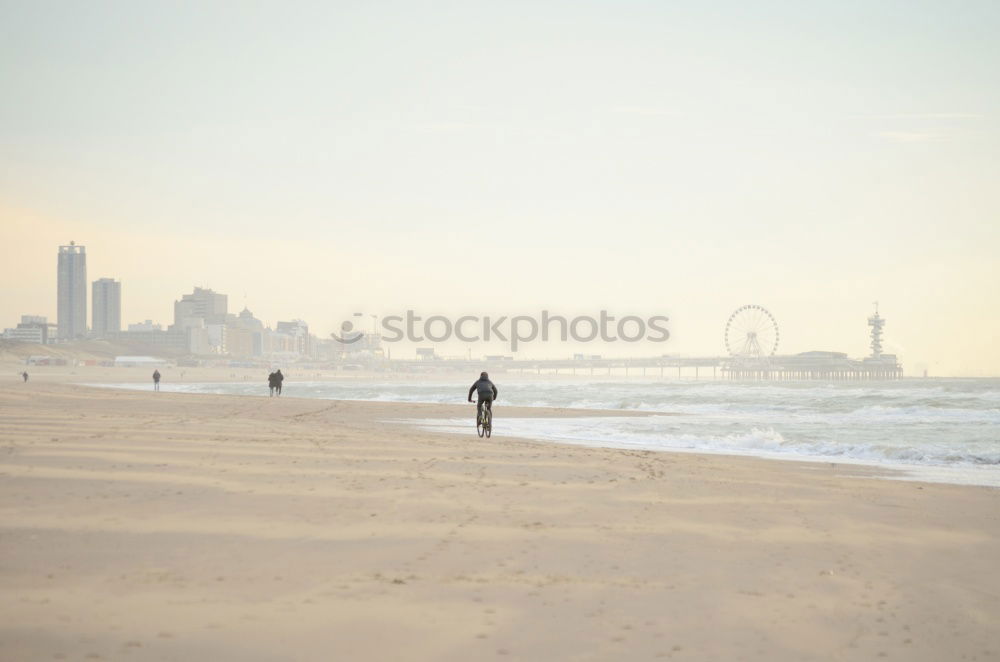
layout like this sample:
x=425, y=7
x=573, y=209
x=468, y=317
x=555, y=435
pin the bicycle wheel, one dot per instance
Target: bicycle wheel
x=489, y=423
x=481, y=423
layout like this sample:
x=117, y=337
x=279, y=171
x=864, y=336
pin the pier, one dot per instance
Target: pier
x=825, y=366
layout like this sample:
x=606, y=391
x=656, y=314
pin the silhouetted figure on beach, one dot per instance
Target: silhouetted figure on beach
x=25, y=375
x=486, y=391
x=270, y=385
x=156, y=380
x=278, y=378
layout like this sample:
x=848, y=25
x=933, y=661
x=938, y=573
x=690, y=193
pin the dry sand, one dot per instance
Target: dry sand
x=143, y=526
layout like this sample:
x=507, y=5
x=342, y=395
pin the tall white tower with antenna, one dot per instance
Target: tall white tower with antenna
x=876, y=322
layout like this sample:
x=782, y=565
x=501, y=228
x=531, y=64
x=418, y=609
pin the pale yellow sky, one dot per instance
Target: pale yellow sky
x=317, y=159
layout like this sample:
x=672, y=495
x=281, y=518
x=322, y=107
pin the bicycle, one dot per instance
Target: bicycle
x=484, y=421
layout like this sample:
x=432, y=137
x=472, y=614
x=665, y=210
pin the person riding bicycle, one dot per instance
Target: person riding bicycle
x=487, y=392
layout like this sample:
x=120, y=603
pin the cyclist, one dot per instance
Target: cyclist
x=487, y=391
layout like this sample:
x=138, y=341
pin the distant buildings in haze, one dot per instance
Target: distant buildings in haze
x=202, y=323
x=145, y=326
x=33, y=328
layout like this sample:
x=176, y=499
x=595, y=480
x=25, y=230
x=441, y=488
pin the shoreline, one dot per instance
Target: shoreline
x=955, y=474
x=936, y=474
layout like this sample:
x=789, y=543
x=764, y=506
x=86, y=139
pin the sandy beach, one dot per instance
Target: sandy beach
x=166, y=526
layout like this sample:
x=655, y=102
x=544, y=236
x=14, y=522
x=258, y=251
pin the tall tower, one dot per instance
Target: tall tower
x=107, y=307
x=72, y=303
x=876, y=323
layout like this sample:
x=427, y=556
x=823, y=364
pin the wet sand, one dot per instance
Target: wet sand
x=166, y=526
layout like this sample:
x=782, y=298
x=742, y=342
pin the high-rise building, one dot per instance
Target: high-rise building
x=72, y=304
x=202, y=304
x=202, y=316
x=106, y=307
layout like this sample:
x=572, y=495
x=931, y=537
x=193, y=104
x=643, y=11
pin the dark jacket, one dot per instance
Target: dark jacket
x=486, y=389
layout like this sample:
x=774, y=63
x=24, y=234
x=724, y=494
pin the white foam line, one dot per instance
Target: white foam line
x=955, y=475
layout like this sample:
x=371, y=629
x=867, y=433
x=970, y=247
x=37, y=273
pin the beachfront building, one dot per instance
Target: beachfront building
x=201, y=304
x=246, y=335
x=33, y=329
x=298, y=331
x=106, y=307
x=199, y=316
x=198, y=341
x=218, y=338
x=239, y=342
x=150, y=337
x=72, y=292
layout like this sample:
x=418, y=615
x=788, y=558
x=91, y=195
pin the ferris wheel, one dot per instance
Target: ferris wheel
x=751, y=332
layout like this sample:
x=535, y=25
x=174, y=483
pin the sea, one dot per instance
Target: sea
x=942, y=430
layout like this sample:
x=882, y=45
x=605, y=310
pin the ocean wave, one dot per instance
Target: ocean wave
x=941, y=424
x=654, y=434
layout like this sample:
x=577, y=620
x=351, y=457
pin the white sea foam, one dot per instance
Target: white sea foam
x=925, y=423
x=939, y=463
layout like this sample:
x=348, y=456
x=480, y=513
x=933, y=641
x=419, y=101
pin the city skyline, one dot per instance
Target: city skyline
x=647, y=159
x=216, y=344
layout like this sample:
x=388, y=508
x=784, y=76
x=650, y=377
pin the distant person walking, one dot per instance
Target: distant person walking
x=156, y=380
x=278, y=378
x=25, y=375
x=270, y=385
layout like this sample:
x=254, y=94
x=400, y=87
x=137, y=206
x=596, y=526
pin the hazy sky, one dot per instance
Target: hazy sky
x=678, y=158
